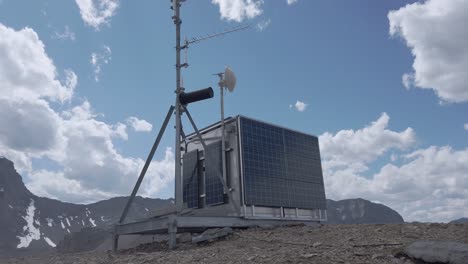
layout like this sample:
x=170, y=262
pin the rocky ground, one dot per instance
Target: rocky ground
x=294, y=244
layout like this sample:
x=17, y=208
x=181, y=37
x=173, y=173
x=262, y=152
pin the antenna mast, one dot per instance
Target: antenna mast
x=180, y=89
x=178, y=174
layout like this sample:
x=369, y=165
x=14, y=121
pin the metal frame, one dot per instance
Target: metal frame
x=173, y=224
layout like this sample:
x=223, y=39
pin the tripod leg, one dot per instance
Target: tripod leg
x=147, y=163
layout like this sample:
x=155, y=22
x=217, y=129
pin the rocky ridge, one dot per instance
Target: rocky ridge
x=35, y=225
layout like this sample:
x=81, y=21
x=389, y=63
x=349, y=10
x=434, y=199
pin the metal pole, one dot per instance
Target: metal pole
x=147, y=163
x=178, y=180
x=223, y=142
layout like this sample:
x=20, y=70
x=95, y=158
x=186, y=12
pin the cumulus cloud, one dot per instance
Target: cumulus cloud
x=364, y=145
x=430, y=186
x=26, y=71
x=238, y=10
x=466, y=126
x=290, y=2
x=67, y=34
x=98, y=59
x=96, y=13
x=18, y=118
x=87, y=166
x=299, y=106
x=139, y=125
x=262, y=25
x=435, y=32
x=424, y=185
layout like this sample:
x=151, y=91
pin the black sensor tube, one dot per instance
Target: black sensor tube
x=195, y=96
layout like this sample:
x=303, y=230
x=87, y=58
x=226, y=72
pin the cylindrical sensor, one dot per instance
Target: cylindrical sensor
x=195, y=96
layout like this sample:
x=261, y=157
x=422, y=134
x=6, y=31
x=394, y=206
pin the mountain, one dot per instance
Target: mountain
x=33, y=225
x=460, y=221
x=360, y=211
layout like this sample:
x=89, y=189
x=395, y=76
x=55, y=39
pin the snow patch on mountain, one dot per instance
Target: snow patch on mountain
x=93, y=223
x=48, y=241
x=29, y=230
x=50, y=221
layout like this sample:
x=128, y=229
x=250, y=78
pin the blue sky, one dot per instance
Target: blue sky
x=339, y=58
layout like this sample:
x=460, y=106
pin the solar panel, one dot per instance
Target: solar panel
x=213, y=171
x=281, y=167
x=190, y=174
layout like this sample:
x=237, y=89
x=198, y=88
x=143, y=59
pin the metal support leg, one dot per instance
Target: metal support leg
x=115, y=245
x=147, y=163
x=172, y=231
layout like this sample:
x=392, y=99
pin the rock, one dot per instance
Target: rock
x=267, y=227
x=438, y=252
x=212, y=234
x=310, y=255
x=316, y=244
x=377, y=256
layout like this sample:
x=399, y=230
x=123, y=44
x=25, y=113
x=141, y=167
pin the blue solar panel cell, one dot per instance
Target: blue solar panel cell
x=281, y=167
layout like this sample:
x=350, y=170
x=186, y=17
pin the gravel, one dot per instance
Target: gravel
x=295, y=244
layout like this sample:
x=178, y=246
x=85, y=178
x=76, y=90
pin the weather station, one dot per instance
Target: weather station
x=237, y=172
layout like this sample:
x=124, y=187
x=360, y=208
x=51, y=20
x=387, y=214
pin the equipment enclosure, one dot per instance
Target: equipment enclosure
x=271, y=173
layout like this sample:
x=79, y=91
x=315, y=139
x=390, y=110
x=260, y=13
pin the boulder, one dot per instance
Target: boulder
x=212, y=234
x=438, y=252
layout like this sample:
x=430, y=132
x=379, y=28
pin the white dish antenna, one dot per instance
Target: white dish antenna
x=229, y=80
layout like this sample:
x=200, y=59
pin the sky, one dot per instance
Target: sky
x=86, y=84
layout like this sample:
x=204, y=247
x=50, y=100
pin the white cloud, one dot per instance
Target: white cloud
x=428, y=185
x=96, y=13
x=18, y=118
x=466, y=126
x=299, y=106
x=67, y=34
x=262, y=25
x=88, y=166
x=407, y=80
x=290, y=2
x=139, y=125
x=100, y=58
x=238, y=10
x=435, y=31
x=26, y=71
x=363, y=145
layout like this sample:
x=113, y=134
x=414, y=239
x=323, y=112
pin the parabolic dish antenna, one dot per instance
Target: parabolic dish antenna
x=229, y=79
